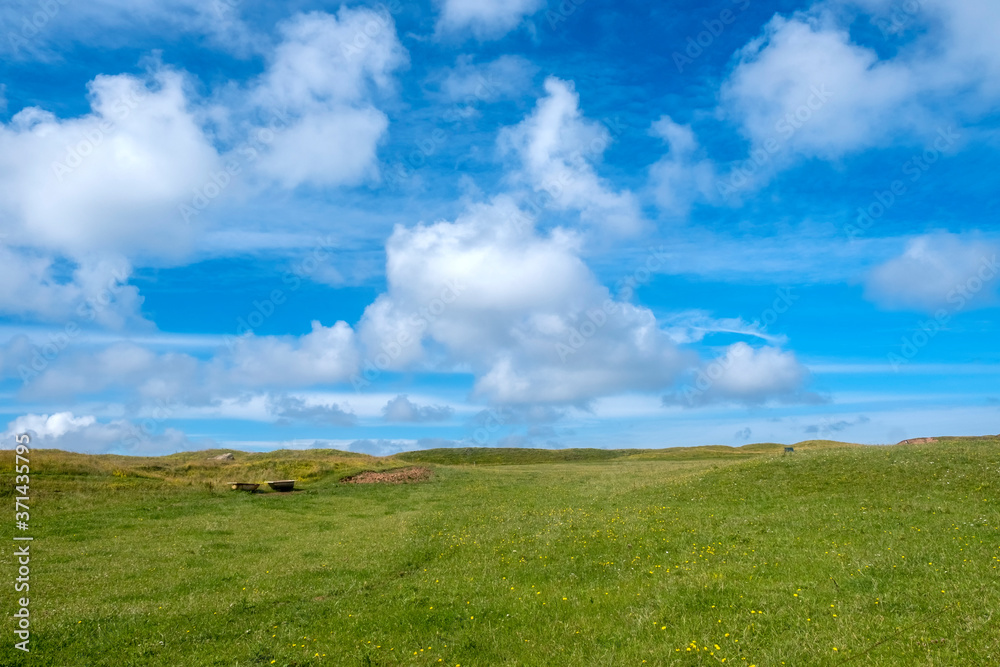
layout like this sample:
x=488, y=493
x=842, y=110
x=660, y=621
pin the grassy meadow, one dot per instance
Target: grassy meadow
x=836, y=555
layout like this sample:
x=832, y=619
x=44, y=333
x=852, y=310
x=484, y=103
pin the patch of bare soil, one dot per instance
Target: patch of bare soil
x=401, y=476
x=918, y=441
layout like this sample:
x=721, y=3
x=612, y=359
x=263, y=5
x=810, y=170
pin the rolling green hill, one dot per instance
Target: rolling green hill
x=839, y=554
x=521, y=456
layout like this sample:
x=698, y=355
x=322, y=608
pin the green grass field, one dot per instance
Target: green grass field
x=836, y=555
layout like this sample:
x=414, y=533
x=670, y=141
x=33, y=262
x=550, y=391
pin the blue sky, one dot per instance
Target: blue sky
x=389, y=226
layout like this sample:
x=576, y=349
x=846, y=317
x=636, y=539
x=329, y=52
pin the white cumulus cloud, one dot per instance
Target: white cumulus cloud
x=50, y=426
x=402, y=409
x=324, y=355
x=110, y=180
x=811, y=86
x=485, y=19
x=937, y=271
x=65, y=431
x=323, y=76
x=683, y=176
x=97, y=291
x=557, y=147
x=804, y=85
x=129, y=181
x=747, y=375
x=521, y=309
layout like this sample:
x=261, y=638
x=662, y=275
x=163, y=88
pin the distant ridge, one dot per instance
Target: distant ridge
x=516, y=455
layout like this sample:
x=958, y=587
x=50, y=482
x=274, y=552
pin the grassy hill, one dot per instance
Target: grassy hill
x=202, y=468
x=511, y=455
x=521, y=456
x=839, y=554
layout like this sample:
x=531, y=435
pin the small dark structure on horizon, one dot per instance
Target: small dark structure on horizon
x=789, y=450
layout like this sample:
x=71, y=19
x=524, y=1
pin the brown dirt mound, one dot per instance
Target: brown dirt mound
x=918, y=441
x=401, y=476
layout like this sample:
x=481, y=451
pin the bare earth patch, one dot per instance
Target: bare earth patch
x=402, y=476
x=918, y=441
